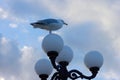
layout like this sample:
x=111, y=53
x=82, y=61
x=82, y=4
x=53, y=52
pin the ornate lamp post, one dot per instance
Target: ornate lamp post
x=59, y=58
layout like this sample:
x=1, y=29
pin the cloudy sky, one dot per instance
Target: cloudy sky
x=92, y=25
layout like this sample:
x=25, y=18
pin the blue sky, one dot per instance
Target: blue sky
x=92, y=25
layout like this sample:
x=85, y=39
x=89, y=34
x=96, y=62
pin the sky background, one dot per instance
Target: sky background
x=92, y=25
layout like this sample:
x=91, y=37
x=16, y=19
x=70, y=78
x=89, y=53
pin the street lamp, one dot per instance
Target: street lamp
x=43, y=68
x=60, y=56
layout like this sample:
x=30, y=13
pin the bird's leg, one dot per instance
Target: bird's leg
x=50, y=31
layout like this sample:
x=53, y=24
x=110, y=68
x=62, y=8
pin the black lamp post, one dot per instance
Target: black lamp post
x=59, y=58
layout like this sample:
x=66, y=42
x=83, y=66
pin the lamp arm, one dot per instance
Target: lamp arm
x=62, y=73
x=52, y=56
x=55, y=66
x=74, y=74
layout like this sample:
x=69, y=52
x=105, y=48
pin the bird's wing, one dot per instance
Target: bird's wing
x=47, y=21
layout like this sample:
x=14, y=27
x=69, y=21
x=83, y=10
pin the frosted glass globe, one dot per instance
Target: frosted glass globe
x=65, y=55
x=43, y=66
x=52, y=42
x=93, y=59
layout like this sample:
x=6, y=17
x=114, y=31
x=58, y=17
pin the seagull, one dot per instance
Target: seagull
x=49, y=24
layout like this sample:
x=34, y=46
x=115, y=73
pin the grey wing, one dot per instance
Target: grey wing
x=47, y=21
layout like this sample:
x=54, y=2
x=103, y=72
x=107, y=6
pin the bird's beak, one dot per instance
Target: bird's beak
x=35, y=24
x=65, y=23
x=32, y=24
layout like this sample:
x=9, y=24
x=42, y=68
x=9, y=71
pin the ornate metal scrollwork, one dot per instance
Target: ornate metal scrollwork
x=55, y=76
x=74, y=74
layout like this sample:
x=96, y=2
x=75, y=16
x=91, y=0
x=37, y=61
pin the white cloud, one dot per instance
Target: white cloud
x=3, y=13
x=27, y=52
x=40, y=38
x=116, y=45
x=28, y=59
x=12, y=25
x=102, y=12
x=7, y=14
x=1, y=78
x=9, y=56
x=17, y=64
x=111, y=75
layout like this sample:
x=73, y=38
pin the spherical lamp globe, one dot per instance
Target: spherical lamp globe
x=52, y=42
x=65, y=55
x=43, y=67
x=93, y=59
